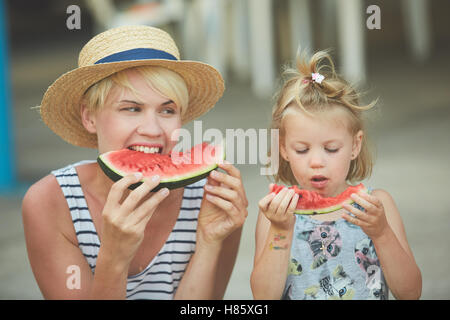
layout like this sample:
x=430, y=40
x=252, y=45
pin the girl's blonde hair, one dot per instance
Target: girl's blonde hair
x=300, y=91
x=165, y=81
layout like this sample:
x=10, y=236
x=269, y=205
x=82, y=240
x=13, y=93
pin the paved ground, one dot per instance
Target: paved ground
x=410, y=129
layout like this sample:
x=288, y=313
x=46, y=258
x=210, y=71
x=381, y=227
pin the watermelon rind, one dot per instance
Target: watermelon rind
x=332, y=208
x=170, y=183
x=323, y=210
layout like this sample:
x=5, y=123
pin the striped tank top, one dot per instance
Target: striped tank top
x=160, y=279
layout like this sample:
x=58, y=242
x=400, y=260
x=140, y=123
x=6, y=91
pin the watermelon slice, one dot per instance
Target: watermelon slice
x=310, y=202
x=176, y=170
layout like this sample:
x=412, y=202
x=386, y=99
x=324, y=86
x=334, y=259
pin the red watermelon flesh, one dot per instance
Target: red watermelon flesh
x=175, y=170
x=311, y=202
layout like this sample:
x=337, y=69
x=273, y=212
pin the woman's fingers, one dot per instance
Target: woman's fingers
x=118, y=188
x=145, y=211
x=225, y=193
x=228, y=207
x=135, y=196
x=226, y=179
x=232, y=179
x=230, y=169
x=210, y=181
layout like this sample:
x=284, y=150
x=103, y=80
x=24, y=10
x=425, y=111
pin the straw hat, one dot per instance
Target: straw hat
x=115, y=50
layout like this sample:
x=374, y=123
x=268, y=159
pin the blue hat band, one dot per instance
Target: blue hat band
x=137, y=54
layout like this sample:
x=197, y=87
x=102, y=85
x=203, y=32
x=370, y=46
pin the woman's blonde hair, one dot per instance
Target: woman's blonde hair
x=167, y=82
x=300, y=91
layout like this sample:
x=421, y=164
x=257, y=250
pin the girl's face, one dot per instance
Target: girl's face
x=319, y=150
x=144, y=122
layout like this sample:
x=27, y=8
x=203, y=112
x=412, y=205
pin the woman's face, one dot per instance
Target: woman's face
x=144, y=123
x=319, y=150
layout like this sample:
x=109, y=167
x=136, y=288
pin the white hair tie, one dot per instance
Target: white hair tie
x=317, y=77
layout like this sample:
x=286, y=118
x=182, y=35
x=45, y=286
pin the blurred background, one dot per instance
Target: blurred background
x=397, y=51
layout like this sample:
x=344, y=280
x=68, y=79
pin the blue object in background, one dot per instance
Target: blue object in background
x=7, y=152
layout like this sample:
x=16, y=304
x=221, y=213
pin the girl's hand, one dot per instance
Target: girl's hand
x=125, y=218
x=373, y=221
x=224, y=206
x=279, y=208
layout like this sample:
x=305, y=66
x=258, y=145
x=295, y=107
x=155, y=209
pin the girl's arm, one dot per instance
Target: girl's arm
x=273, y=236
x=270, y=265
x=383, y=224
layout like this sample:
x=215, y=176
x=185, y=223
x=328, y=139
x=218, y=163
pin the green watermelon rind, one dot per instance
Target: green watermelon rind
x=327, y=209
x=170, y=183
x=323, y=210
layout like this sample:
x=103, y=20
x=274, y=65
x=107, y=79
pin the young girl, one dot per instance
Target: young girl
x=88, y=237
x=358, y=252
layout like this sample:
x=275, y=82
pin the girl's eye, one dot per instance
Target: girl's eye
x=301, y=151
x=331, y=150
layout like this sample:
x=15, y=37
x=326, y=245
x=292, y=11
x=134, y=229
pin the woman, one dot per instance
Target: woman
x=131, y=90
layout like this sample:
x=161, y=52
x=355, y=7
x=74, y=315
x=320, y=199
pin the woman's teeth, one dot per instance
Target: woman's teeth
x=146, y=149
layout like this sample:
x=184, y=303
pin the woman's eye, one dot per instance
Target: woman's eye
x=331, y=150
x=168, y=111
x=131, y=109
x=301, y=151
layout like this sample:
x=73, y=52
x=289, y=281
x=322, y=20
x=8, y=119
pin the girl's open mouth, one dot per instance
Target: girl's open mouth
x=319, y=182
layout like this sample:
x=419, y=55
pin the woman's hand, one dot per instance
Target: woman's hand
x=373, y=221
x=224, y=206
x=125, y=218
x=279, y=208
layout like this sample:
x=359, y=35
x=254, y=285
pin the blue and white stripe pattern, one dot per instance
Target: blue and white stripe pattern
x=160, y=279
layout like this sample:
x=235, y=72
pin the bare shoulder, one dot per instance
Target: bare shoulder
x=387, y=200
x=393, y=216
x=44, y=207
x=383, y=195
x=51, y=240
x=390, y=208
x=44, y=193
